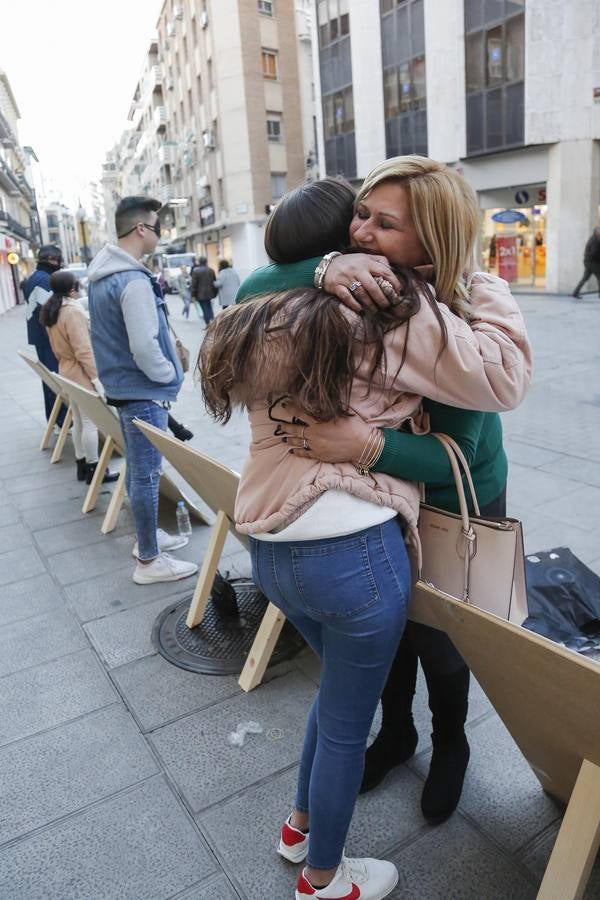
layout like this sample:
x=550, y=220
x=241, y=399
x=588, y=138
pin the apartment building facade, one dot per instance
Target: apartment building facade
x=18, y=217
x=507, y=91
x=222, y=123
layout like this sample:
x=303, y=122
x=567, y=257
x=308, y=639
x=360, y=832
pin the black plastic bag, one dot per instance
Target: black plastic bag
x=563, y=597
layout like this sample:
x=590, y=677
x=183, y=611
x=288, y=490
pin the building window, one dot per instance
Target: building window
x=278, y=184
x=494, y=71
x=404, y=76
x=336, y=86
x=274, y=132
x=265, y=7
x=269, y=64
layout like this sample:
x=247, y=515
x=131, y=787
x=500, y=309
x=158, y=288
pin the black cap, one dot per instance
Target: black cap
x=49, y=251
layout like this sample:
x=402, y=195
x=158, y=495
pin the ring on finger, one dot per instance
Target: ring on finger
x=355, y=286
x=305, y=444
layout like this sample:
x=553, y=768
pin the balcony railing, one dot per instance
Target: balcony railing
x=156, y=78
x=8, y=179
x=160, y=118
x=167, y=154
x=166, y=193
x=7, y=222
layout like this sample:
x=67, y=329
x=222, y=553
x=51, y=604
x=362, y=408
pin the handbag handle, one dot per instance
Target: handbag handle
x=453, y=449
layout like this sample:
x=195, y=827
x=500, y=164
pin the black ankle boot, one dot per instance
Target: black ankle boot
x=81, y=469
x=391, y=748
x=90, y=468
x=448, y=701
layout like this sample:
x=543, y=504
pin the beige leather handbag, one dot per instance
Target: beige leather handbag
x=480, y=561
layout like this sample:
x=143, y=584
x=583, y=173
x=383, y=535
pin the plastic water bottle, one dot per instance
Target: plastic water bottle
x=184, y=526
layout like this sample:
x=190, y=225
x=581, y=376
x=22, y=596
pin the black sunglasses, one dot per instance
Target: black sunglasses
x=155, y=228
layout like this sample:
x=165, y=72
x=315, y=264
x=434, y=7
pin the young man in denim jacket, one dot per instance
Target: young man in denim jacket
x=140, y=371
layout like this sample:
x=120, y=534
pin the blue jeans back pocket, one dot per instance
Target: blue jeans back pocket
x=334, y=578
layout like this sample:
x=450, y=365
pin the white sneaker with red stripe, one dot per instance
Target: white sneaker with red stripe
x=293, y=844
x=355, y=879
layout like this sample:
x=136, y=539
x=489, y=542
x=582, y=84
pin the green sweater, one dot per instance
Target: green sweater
x=410, y=456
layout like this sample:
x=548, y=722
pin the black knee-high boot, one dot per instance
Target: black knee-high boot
x=397, y=739
x=449, y=702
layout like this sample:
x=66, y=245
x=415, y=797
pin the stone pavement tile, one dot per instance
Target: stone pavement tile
x=62, y=770
x=552, y=533
x=140, y=845
x=158, y=692
x=31, y=597
x=501, y=795
x=47, y=496
x=53, y=475
x=37, y=465
x=218, y=888
x=95, y=559
x=14, y=536
x=533, y=487
x=244, y=833
x=19, y=564
x=579, y=508
x=64, y=511
x=115, y=591
x=528, y=454
x=536, y=855
x=585, y=470
x=39, y=639
x=77, y=534
x=124, y=636
x=9, y=514
x=454, y=862
x=51, y=693
x=198, y=743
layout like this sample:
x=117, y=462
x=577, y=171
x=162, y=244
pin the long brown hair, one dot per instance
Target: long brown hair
x=61, y=283
x=303, y=343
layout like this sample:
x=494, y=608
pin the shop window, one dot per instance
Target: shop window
x=269, y=64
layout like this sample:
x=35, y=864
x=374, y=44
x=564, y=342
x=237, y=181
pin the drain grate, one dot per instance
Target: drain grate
x=222, y=641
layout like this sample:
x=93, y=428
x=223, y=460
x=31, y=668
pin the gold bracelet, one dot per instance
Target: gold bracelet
x=371, y=452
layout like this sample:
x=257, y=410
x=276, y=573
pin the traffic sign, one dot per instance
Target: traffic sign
x=521, y=197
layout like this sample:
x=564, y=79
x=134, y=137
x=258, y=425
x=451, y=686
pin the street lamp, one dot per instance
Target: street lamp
x=85, y=250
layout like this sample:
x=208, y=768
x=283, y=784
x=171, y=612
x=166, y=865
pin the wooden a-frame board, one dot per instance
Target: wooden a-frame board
x=50, y=380
x=549, y=699
x=217, y=486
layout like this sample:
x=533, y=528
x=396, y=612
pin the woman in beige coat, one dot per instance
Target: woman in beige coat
x=69, y=334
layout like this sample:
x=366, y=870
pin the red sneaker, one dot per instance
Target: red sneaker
x=293, y=844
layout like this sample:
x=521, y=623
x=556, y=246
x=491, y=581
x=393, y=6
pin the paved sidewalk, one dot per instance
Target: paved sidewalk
x=116, y=778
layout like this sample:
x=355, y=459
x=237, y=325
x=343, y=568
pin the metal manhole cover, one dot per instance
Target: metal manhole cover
x=222, y=641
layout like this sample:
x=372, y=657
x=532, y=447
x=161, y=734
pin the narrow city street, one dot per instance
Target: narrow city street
x=116, y=776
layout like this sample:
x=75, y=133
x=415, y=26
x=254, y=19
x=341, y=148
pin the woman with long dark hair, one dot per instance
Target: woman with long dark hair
x=69, y=333
x=328, y=540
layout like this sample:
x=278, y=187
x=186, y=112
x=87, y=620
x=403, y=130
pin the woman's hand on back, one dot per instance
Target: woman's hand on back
x=341, y=440
x=359, y=269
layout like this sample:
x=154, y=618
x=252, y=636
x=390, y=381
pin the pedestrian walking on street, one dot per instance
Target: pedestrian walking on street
x=183, y=289
x=419, y=458
x=227, y=283
x=141, y=373
x=328, y=539
x=36, y=291
x=68, y=330
x=591, y=262
x=203, y=288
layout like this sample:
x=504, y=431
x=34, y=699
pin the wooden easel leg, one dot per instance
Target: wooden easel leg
x=578, y=840
x=116, y=502
x=262, y=648
x=62, y=438
x=51, y=424
x=94, y=489
x=208, y=571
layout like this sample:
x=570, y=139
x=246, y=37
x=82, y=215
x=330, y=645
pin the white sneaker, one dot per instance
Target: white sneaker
x=163, y=568
x=166, y=542
x=293, y=843
x=355, y=879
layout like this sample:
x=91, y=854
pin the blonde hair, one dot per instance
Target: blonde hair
x=446, y=218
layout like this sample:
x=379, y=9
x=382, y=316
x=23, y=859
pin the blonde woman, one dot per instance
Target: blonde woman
x=69, y=333
x=413, y=211
x=327, y=546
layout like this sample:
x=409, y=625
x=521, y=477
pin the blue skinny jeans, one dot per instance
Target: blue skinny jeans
x=348, y=597
x=142, y=474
